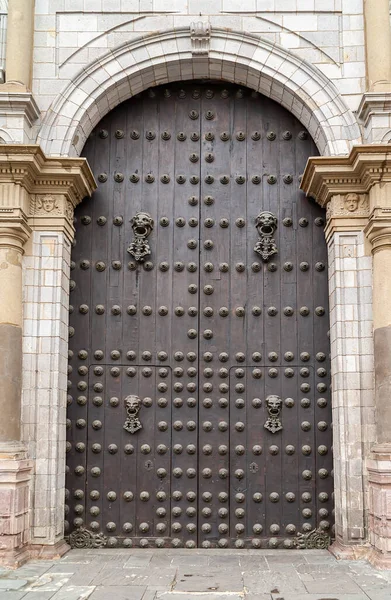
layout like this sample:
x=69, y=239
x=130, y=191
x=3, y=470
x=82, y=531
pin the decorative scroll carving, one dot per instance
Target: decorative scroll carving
x=83, y=538
x=200, y=38
x=349, y=205
x=266, y=224
x=274, y=405
x=69, y=211
x=317, y=539
x=142, y=225
x=132, y=405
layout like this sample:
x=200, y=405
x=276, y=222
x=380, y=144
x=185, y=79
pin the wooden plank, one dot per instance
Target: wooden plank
x=214, y=352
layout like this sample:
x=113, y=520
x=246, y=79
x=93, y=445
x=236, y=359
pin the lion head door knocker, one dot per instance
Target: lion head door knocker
x=132, y=405
x=273, y=404
x=266, y=224
x=142, y=225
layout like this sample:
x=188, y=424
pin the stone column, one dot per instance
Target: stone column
x=378, y=45
x=378, y=232
x=19, y=45
x=11, y=250
x=15, y=468
x=374, y=108
x=37, y=198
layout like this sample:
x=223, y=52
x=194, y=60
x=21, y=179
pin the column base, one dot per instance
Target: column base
x=346, y=552
x=49, y=552
x=379, y=483
x=13, y=559
x=379, y=560
x=15, y=474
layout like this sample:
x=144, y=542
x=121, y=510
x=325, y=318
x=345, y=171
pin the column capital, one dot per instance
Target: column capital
x=354, y=189
x=40, y=192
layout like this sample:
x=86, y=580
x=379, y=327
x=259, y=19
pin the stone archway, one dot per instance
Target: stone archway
x=199, y=53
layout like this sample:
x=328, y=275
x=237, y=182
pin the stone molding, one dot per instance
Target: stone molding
x=39, y=192
x=165, y=56
x=371, y=104
x=18, y=104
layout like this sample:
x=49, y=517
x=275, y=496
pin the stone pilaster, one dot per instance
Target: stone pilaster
x=350, y=291
x=354, y=188
x=37, y=199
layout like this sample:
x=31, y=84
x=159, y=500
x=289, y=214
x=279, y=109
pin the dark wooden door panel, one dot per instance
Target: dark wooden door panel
x=202, y=331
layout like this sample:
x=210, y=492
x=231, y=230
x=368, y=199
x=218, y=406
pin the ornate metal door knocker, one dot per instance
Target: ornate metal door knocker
x=142, y=225
x=274, y=405
x=132, y=405
x=266, y=224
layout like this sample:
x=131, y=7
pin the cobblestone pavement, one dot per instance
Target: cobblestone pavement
x=195, y=575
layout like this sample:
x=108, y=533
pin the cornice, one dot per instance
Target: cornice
x=325, y=177
x=40, y=192
x=28, y=166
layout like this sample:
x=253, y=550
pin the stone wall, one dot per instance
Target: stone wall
x=69, y=34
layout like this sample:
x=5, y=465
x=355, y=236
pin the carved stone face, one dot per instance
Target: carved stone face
x=274, y=404
x=132, y=404
x=48, y=203
x=142, y=224
x=266, y=223
x=351, y=202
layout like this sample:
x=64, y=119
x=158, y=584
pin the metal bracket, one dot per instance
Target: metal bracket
x=317, y=539
x=83, y=538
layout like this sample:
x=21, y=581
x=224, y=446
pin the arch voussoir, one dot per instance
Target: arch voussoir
x=245, y=59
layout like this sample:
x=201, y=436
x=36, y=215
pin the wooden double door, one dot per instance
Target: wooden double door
x=198, y=405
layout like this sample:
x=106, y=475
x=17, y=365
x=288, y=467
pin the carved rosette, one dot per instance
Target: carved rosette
x=83, y=538
x=317, y=539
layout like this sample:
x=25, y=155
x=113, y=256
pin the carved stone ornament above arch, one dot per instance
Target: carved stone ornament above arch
x=168, y=56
